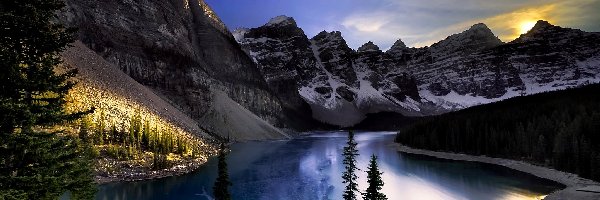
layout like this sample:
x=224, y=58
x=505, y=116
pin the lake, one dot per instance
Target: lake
x=310, y=167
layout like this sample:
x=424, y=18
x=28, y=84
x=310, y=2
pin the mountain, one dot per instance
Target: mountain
x=184, y=54
x=498, y=71
x=116, y=96
x=473, y=67
x=295, y=65
x=338, y=83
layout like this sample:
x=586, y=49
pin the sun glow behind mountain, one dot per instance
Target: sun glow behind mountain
x=509, y=26
x=526, y=26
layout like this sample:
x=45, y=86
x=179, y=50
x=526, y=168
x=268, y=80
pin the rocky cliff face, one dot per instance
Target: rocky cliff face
x=552, y=56
x=456, y=64
x=465, y=69
x=180, y=49
x=340, y=84
x=294, y=66
x=544, y=59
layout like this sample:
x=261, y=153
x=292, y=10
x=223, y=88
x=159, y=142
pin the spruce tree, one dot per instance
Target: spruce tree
x=101, y=128
x=375, y=182
x=220, y=189
x=37, y=162
x=350, y=153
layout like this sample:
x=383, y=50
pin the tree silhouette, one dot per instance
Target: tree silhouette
x=375, y=182
x=349, y=176
x=221, y=187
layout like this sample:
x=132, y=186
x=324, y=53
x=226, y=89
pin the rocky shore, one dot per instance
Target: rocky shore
x=574, y=184
x=130, y=171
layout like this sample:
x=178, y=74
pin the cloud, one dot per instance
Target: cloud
x=509, y=26
x=367, y=22
x=423, y=22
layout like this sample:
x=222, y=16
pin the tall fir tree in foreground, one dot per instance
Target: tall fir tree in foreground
x=350, y=153
x=37, y=162
x=221, y=187
x=375, y=182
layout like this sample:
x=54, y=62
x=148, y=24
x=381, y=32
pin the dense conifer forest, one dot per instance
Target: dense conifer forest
x=557, y=129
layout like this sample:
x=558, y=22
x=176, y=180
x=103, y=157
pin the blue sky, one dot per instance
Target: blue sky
x=416, y=22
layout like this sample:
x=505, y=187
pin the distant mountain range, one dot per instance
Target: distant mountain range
x=274, y=77
x=474, y=67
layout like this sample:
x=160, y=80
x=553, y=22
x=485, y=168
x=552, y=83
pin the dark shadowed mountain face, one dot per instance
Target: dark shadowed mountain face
x=297, y=66
x=183, y=52
x=466, y=69
x=340, y=84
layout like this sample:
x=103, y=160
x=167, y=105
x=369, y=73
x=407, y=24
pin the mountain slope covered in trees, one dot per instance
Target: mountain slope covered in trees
x=132, y=130
x=557, y=129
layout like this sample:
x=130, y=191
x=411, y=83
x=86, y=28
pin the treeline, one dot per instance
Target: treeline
x=557, y=129
x=141, y=136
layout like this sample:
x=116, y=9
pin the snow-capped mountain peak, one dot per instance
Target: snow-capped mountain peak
x=544, y=31
x=480, y=26
x=478, y=37
x=369, y=47
x=399, y=44
x=281, y=20
x=330, y=36
x=398, y=50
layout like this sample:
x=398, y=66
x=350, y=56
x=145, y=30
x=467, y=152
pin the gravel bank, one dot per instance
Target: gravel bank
x=572, y=181
x=138, y=173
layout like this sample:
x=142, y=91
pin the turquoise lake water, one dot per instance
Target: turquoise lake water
x=310, y=168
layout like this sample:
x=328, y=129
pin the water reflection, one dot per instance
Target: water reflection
x=310, y=168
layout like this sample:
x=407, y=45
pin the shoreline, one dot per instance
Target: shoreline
x=572, y=181
x=182, y=168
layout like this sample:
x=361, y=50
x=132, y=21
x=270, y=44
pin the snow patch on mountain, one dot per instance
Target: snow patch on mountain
x=368, y=98
x=281, y=20
x=239, y=34
x=368, y=47
x=466, y=69
x=332, y=109
x=455, y=101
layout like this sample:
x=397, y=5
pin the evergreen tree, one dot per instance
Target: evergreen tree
x=375, y=182
x=146, y=135
x=36, y=162
x=220, y=189
x=101, y=129
x=350, y=153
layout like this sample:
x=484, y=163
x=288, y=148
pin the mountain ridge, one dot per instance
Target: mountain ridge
x=465, y=69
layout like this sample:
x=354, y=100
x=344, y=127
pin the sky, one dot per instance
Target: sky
x=417, y=22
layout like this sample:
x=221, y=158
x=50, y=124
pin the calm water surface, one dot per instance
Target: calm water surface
x=310, y=168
